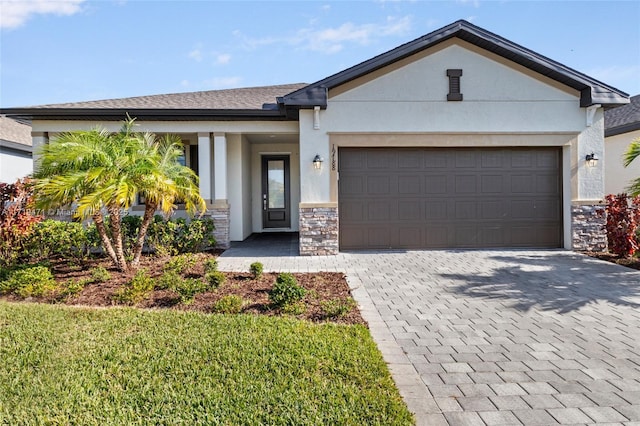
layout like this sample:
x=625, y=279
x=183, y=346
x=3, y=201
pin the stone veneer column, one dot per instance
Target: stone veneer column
x=318, y=229
x=587, y=227
x=219, y=212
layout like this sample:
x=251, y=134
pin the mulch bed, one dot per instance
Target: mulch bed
x=629, y=262
x=320, y=286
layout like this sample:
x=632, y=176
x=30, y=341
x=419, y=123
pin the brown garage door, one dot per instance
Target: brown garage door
x=449, y=198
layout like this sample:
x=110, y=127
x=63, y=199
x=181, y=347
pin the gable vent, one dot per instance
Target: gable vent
x=454, y=85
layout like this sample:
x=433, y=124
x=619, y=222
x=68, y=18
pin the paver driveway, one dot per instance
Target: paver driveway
x=496, y=337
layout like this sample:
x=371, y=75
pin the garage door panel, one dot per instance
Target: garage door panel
x=435, y=185
x=409, y=210
x=466, y=184
x=492, y=184
x=410, y=237
x=409, y=184
x=521, y=184
x=449, y=197
x=379, y=211
x=352, y=185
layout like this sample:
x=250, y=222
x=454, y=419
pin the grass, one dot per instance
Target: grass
x=67, y=365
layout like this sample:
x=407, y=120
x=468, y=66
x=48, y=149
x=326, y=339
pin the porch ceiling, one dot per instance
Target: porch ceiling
x=264, y=138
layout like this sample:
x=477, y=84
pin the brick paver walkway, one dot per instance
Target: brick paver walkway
x=496, y=337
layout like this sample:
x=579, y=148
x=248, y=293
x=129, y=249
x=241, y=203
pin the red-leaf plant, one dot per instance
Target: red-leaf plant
x=623, y=218
x=17, y=218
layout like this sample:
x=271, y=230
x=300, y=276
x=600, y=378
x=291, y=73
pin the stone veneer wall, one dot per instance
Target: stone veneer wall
x=318, y=231
x=587, y=227
x=220, y=216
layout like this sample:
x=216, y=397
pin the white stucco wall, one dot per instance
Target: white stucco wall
x=617, y=177
x=14, y=165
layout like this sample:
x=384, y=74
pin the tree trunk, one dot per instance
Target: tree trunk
x=116, y=236
x=149, y=210
x=106, y=242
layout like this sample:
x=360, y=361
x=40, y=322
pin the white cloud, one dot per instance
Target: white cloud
x=14, y=13
x=223, y=82
x=196, y=55
x=223, y=58
x=332, y=40
x=185, y=83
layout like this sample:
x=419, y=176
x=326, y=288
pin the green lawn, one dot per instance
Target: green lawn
x=66, y=365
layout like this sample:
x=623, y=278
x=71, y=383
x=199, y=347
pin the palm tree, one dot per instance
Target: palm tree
x=100, y=172
x=632, y=153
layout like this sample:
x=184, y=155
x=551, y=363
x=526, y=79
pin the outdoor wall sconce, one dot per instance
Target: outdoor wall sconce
x=591, y=160
x=317, y=162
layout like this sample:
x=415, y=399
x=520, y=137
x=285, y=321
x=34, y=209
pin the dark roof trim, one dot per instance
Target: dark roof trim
x=117, y=114
x=15, y=146
x=626, y=128
x=591, y=90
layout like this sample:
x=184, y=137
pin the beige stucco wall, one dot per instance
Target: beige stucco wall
x=617, y=177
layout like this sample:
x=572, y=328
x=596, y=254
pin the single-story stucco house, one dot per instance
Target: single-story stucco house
x=621, y=126
x=15, y=150
x=458, y=139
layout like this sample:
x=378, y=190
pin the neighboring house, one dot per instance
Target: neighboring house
x=15, y=150
x=621, y=126
x=458, y=139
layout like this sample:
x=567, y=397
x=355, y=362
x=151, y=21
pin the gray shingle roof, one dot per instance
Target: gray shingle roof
x=14, y=131
x=623, y=119
x=242, y=99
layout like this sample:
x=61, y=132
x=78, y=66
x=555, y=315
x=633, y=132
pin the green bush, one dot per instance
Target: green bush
x=215, y=279
x=57, y=238
x=168, y=280
x=175, y=236
x=211, y=265
x=100, y=275
x=29, y=281
x=336, y=308
x=229, y=304
x=180, y=263
x=256, y=269
x=72, y=287
x=286, y=291
x=187, y=288
x=295, y=308
x=136, y=290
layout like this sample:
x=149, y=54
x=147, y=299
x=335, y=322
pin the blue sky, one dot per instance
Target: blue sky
x=76, y=50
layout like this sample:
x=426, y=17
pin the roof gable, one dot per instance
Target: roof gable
x=591, y=90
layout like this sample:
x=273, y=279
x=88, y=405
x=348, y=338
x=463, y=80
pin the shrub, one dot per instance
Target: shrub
x=100, y=275
x=215, y=279
x=180, y=263
x=175, y=236
x=187, y=288
x=137, y=289
x=168, y=280
x=229, y=304
x=256, y=270
x=29, y=281
x=211, y=265
x=623, y=218
x=57, y=238
x=72, y=287
x=337, y=307
x=296, y=308
x=286, y=291
x=16, y=219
